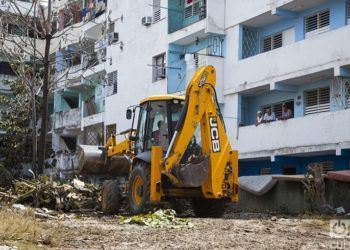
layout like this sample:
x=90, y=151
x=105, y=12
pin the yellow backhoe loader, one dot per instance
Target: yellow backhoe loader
x=179, y=150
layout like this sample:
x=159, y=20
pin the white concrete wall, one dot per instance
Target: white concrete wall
x=141, y=44
x=317, y=132
x=301, y=58
x=215, y=16
x=237, y=11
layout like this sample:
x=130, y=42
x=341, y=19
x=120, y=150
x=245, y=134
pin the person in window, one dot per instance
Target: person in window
x=259, y=118
x=286, y=112
x=269, y=116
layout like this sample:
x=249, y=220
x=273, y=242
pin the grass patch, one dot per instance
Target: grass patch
x=23, y=229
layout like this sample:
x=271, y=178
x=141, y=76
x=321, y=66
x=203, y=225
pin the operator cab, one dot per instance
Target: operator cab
x=157, y=119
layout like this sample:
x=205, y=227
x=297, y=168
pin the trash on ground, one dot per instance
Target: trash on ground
x=159, y=219
x=44, y=193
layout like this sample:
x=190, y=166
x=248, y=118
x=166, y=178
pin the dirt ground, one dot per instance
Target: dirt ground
x=233, y=231
x=229, y=233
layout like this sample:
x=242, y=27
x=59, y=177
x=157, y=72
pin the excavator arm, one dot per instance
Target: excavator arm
x=216, y=170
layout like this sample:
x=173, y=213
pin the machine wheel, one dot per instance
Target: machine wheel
x=139, y=189
x=110, y=197
x=214, y=208
x=179, y=205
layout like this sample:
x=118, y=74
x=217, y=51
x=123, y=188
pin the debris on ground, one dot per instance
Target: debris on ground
x=44, y=193
x=159, y=219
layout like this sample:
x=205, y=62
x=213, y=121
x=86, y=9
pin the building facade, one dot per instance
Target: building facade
x=267, y=53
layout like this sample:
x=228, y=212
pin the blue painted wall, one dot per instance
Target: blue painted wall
x=337, y=19
x=253, y=167
x=177, y=65
x=254, y=103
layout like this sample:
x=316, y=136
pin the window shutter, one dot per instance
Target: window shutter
x=156, y=11
x=277, y=109
x=317, y=101
x=348, y=96
x=348, y=11
x=188, y=11
x=192, y=8
x=267, y=44
x=113, y=82
x=196, y=8
x=317, y=23
x=277, y=41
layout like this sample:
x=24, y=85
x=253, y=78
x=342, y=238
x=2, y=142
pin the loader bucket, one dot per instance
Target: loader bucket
x=93, y=162
x=192, y=174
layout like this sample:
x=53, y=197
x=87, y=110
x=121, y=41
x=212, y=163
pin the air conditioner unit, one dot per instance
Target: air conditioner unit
x=115, y=37
x=160, y=72
x=147, y=20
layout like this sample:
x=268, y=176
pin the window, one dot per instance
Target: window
x=278, y=40
x=289, y=170
x=113, y=82
x=265, y=171
x=348, y=10
x=200, y=58
x=317, y=101
x=111, y=130
x=317, y=23
x=156, y=11
x=272, y=42
x=192, y=8
x=71, y=143
x=348, y=96
x=277, y=108
x=159, y=69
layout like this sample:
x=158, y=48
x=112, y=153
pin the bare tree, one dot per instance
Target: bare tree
x=26, y=37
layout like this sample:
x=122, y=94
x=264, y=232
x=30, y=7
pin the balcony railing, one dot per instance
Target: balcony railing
x=316, y=132
x=187, y=16
x=298, y=59
x=70, y=119
x=93, y=107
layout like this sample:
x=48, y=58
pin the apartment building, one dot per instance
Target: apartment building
x=296, y=53
x=267, y=53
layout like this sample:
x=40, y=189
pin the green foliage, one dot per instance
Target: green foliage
x=159, y=219
x=15, y=145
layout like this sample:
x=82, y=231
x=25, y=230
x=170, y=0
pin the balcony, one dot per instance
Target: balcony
x=93, y=112
x=70, y=119
x=197, y=20
x=288, y=63
x=69, y=77
x=325, y=132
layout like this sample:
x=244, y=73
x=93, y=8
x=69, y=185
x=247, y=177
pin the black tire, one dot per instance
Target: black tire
x=139, y=195
x=179, y=205
x=110, y=197
x=208, y=208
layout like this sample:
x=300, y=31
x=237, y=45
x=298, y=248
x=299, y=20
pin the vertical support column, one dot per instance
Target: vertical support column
x=156, y=189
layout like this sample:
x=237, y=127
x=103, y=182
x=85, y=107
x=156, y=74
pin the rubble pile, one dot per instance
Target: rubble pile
x=44, y=193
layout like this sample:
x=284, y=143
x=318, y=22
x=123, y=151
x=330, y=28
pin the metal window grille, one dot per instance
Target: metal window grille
x=113, y=82
x=317, y=101
x=93, y=135
x=111, y=130
x=317, y=23
x=272, y=42
x=156, y=11
x=215, y=45
x=250, y=42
